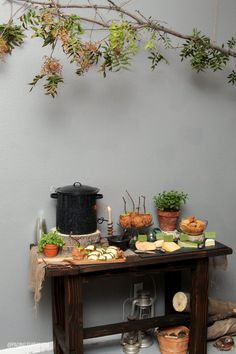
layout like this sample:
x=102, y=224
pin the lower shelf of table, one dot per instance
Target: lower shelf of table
x=160, y=321
x=115, y=328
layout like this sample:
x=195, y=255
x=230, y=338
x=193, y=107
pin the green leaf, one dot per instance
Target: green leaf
x=171, y=200
x=231, y=43
x=12, y=34
x=232, y=77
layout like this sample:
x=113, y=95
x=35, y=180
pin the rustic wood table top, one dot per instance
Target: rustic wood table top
x=159, y=258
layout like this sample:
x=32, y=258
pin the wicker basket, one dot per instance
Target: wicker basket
x=173, y=345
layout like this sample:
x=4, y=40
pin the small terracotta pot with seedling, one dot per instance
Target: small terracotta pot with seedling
x=50, y=243
x=168, y=206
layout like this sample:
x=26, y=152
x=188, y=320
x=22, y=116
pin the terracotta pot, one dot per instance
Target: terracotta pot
x=168, y=220
x=172, y=345
x=50, y=250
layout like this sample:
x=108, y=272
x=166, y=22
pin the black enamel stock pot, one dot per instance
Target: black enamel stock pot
x=76, y=209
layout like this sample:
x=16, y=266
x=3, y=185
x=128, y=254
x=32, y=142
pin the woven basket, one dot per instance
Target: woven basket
x=172, y=345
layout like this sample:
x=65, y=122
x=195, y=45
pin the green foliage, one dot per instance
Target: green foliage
x=12, y=34
x=87, y=55
x=30, y=18
x=50, y=24
x=155, y=58
x=232, y=77
x=203, y=56
x=51, y=238
x=231, y=43
x=52, y=82
x=167, y=43
x=113, y=61
x=170, y=201
x=122, y=37
x=51, y=85
x=120, y=49
x=35, y=80
x=152, y=46
x=159, y=38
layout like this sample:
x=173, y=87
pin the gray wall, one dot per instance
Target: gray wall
x=140, y=130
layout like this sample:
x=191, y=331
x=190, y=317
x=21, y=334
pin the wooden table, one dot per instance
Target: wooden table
x=67, y=296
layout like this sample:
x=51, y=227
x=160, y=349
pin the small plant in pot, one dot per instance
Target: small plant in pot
x=168, y=206
x=50, y=243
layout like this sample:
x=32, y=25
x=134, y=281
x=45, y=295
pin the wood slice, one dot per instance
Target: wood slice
x=181, y=302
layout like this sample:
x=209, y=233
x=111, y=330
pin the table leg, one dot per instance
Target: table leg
x=199, y=308
x=74, y=314
x=57, y=310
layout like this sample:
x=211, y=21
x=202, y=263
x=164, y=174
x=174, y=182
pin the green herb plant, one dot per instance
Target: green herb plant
x=170, y=201
x=51, y=238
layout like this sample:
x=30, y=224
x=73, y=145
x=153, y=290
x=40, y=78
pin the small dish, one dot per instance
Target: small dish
x=119, y=241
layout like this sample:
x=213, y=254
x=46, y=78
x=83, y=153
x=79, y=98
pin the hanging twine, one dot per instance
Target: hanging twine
x=215, y=21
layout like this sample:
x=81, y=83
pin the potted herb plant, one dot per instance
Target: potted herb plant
x=168, y=206
x=50, y=243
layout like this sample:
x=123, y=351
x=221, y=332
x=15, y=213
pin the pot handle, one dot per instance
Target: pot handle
x=99, y=196
x=54, y=195
x=75, y=184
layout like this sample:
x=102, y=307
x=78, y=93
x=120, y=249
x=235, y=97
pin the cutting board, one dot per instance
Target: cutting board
x=71, y=260
x=54, y=260
x=87, y=261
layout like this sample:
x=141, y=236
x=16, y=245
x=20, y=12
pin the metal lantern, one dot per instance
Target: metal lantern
x=142, y=308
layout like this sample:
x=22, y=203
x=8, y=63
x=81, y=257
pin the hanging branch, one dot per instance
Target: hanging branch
x=125, y=210
x=56, y=26
x=139, y=21
x=131, y=200
x=144, y=202
x=138, y=208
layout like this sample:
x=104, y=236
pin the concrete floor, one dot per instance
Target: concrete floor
x=113, y=347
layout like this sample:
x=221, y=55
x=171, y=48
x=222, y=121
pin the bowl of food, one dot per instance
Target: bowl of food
x=135, y=220
x=120, y=241
x=193, y=226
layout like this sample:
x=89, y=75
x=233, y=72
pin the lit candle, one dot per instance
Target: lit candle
x=109, y=215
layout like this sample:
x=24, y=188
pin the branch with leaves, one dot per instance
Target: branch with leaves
x=56, y=25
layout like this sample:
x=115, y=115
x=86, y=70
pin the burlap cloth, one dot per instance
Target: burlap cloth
x=37, y=271
x=36, y=274
x=222, y=328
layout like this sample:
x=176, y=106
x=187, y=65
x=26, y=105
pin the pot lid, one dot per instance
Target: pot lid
x=77, y=189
